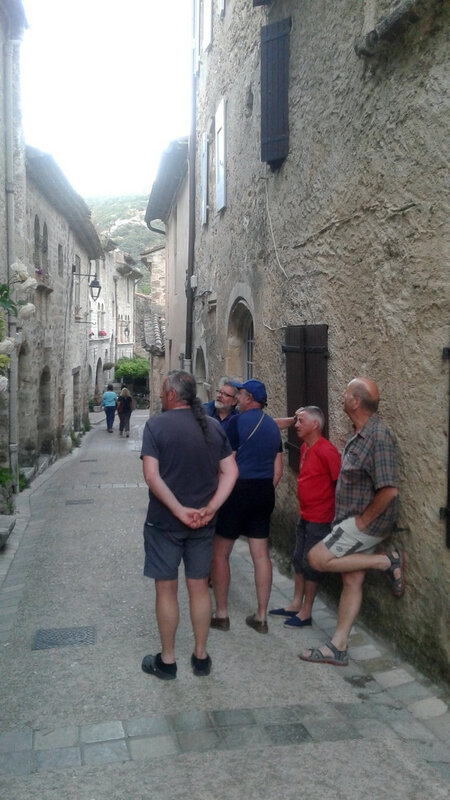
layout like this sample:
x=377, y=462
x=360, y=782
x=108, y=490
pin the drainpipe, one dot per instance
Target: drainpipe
x=191, y=240
x=11, y=255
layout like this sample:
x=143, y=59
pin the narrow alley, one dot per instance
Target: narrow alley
x=81, y=721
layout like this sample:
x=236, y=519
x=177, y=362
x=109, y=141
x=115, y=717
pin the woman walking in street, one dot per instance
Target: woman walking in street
x=109, y=403
x=124, y=409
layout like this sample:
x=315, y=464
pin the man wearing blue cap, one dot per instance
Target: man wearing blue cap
x=256, y=441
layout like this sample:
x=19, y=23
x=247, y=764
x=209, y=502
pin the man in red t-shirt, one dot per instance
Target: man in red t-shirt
x=320, y=464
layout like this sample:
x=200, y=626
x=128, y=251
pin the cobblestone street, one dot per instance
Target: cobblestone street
x=80, y=720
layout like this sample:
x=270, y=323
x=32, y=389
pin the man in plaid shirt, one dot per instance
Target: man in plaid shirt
x=365, y=511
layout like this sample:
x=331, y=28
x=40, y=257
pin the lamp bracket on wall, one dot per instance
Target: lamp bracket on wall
x=94, y=286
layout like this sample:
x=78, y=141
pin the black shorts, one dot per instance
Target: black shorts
x=307, y=534
x=247, y=510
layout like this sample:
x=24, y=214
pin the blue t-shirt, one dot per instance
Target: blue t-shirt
x=255, y=456
x=109, y=398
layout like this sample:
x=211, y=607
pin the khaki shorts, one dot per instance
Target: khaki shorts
x=345, y=539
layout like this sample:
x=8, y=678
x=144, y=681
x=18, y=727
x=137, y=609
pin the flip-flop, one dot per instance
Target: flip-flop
x=396, y=585
x=315, y=656
x=282, y=612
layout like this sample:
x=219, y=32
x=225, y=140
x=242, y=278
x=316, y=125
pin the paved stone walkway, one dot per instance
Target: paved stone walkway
x=81, y=720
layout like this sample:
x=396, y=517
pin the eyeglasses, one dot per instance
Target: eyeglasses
x=225, y=394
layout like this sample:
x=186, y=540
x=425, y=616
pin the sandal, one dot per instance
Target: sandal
x=339, y=658
x=396, y=585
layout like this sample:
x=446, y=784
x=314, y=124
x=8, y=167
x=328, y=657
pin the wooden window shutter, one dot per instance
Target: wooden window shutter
x=274, y=92
x=306, y=376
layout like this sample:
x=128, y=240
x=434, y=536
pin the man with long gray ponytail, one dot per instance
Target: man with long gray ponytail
x=190, y=471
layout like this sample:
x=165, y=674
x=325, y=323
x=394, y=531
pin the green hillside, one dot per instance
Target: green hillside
x=122, y=220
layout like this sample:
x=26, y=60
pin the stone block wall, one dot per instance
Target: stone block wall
x=351, y=231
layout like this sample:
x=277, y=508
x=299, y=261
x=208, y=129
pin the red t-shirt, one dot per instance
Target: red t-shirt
x=319, y=469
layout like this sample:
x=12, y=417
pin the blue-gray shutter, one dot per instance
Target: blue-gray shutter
x=306, y=377
x=274, y=92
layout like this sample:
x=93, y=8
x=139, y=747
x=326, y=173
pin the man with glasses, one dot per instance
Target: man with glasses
x=223, y=408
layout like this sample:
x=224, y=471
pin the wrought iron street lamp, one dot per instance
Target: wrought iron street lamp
x=94, y=286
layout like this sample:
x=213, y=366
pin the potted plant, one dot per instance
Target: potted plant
x=102, y=333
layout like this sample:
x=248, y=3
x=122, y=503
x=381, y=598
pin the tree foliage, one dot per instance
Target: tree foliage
x=131, y=368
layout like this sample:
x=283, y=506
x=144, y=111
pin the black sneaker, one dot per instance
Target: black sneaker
x=154, y=665
x=201, y=666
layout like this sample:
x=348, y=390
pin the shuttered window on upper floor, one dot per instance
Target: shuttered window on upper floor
x=221, y=166
x=274, y=92
x=306, y=349
x=204, y=170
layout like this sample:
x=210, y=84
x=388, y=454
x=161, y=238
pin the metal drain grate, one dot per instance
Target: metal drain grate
x=62, y=637
x=78, y=502
x=88, y=460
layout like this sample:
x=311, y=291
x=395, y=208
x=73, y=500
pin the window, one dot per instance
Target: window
x=221, y=8
x=60, y=260
x=196, y=44
x=221, y=198
x=37, y=244
x=249, y=346
x=204, y=158
x=207, y=26
x=45, y=248
x=306, y=376
x=241, y=341
x=77, y=287
x=274, y=92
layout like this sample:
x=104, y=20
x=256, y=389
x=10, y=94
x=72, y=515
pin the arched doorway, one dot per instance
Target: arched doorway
x=45, y=429
x=241, y=340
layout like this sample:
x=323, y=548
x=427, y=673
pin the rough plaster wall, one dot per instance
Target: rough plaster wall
x=360, y=241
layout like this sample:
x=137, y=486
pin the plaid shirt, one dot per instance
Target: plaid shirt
x=368, y=464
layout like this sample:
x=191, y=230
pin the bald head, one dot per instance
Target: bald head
x=367, y=392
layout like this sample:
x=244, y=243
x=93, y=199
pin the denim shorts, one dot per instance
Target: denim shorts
x=164, y=551
x=345, y=539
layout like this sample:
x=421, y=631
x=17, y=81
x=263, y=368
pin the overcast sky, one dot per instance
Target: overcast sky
x=105, y=87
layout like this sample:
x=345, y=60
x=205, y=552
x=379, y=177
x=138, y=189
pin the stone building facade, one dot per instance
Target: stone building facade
x=322, y=135
x=63, y=246
x=111, y=317
x=169, y=203
x=12, y=205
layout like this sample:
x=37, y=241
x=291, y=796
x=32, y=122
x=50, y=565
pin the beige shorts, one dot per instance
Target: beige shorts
x=345, y=539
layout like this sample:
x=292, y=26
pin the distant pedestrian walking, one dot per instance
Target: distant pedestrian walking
x=124, y=409
x=109, y=403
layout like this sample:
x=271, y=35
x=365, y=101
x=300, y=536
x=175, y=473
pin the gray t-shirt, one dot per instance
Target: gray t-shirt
x=187, y=463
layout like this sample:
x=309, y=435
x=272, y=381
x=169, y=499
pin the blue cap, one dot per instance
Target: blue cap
x=255, y=388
